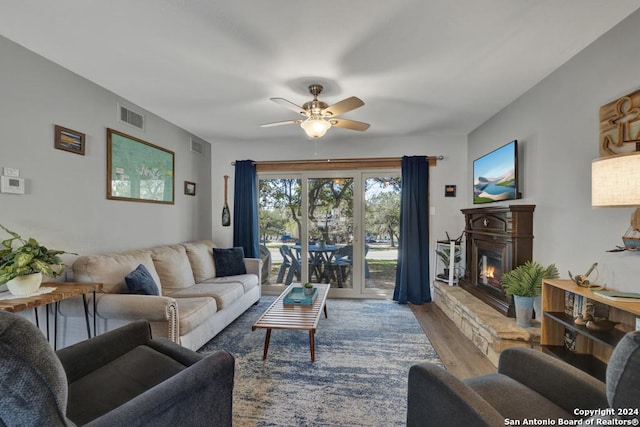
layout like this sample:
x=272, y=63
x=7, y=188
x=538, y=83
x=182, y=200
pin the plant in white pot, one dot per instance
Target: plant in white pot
x=23, y=266
x=525, y=283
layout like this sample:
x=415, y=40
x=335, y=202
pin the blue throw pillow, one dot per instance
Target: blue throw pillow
x=140, y=282
x=229, y=262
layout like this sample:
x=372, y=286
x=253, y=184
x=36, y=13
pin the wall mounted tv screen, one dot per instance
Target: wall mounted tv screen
x=495, y=175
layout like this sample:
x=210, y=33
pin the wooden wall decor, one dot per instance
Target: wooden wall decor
x=620, y=125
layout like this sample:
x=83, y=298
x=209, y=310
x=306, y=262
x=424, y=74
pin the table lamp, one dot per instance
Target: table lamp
x=615, y=182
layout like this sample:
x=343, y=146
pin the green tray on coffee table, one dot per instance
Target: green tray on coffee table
x=297, y=296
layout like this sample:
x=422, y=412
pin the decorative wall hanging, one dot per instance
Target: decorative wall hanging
x=620, y=125
x=69, y=140
x=138, y=171
x=190, y=188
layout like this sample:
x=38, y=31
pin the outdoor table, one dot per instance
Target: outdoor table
x=319, y=258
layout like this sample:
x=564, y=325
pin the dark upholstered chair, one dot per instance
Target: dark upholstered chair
x=529, y=384
x=120, y=378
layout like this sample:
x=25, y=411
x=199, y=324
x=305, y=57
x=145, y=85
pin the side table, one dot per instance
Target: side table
x=64, y=290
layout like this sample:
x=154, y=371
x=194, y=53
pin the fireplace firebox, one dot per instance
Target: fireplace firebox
x=498, y=239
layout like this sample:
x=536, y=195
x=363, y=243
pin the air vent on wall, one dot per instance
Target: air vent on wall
x=130, y=117
x=197, y=147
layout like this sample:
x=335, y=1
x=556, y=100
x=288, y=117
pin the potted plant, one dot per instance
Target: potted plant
x=445, y=256
x=525, y=284
x=23, y=266
x=308, y=288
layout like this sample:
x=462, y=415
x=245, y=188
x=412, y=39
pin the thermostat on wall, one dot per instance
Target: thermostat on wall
x=10, y=184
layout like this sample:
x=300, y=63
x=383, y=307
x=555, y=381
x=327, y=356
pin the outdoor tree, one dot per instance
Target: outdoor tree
x=271, y=223
x=284, y=196
x=383, y=215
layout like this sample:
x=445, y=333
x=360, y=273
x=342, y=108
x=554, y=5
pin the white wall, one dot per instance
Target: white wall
x=451, y=170
x=556, y=124
x=65, y=206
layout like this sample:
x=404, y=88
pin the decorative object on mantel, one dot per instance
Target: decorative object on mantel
x=614, y=183
x=22, y=267
x=525, y=283
x=620, y=125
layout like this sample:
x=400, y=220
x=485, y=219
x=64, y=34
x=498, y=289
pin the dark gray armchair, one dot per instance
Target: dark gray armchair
x=120, y=378
x=529, y=384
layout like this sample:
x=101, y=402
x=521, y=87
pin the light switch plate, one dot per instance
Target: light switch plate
x=11, y=172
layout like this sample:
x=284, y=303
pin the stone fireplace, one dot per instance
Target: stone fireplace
x=498, y=238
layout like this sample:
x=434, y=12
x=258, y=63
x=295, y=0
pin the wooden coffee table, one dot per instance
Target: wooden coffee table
x=294, y=316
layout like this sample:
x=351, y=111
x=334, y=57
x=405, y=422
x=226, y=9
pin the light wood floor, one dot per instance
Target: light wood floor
x=459, y=355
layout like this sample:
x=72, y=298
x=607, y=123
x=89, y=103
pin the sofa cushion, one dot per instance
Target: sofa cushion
x=623, y=373
x=111, y=269
x=201, y=258
x=173, y=267
x=118, y=382
x=194, y=311
x=140, y=282
x=248, y=281
x=522, y=402
x=229, y=261
x=225, y=294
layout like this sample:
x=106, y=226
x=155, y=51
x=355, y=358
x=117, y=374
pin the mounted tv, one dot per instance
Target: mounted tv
x=495, y=175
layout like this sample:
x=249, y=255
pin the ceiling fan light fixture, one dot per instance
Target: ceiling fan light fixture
x=315, y=127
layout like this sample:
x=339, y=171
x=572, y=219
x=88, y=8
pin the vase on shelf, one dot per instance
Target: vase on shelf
x=25, y=285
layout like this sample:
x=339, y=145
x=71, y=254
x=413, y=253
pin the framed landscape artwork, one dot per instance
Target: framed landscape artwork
x=190, y=188
x=69, y=140
x=138, y=171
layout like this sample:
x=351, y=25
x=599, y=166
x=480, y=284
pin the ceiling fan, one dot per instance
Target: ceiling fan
x=320, y=116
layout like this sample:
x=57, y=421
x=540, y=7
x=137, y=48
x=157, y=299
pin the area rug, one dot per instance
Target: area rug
x=364, y=350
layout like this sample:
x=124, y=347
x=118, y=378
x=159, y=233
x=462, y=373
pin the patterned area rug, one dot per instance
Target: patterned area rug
x=364, y=350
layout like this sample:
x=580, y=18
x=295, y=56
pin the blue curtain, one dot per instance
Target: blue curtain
x=412, y=273
x=245, y=209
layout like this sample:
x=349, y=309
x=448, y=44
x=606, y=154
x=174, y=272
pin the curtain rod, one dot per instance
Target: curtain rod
x=337, y=161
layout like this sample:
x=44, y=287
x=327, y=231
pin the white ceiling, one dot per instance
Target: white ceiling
x=210, y=66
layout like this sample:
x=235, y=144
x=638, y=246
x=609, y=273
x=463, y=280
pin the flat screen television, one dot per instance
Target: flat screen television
x=495, y=175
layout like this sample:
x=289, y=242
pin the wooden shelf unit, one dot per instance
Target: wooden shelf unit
x=593, y=349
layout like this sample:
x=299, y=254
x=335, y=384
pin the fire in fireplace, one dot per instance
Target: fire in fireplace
x=490, y=268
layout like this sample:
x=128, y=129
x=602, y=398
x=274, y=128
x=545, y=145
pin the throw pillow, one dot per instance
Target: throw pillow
x=229, y=262
x=140, y=282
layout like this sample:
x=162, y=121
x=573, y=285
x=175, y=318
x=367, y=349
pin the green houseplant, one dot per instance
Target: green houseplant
x=525, y=284
x=27, y=262
x=445, y=256
x=308, y=288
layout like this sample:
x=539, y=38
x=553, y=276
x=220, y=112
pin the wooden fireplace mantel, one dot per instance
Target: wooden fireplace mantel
x=507, y=230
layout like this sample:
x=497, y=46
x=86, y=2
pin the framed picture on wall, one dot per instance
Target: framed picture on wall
x=189, y=188
x=69, y=140
x=138, y=171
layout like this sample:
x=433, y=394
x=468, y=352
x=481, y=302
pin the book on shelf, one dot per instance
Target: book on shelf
x=619, y=296
x=569, y=298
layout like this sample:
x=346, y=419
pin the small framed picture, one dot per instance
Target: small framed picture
x=69, y=140
x=189, y=188
x=449, y=190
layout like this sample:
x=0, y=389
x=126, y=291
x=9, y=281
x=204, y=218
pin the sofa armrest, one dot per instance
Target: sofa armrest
x=438, y=398
x=78, y=360
x=133, y=307
x=563, y=384
x=254, y=266
x=179, y=400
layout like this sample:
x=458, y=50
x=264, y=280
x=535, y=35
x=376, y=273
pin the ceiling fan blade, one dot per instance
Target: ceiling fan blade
x=290, y=105
x=343, y=106
x=286, y=122
x=349, y=124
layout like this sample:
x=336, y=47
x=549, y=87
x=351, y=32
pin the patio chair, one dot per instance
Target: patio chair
x=340, y=264
x=290, y=262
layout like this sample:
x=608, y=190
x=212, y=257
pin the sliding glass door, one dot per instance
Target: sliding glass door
x=332, y=227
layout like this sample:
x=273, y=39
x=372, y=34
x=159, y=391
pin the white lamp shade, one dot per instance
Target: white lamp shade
x=615, y=180
x=315, y=128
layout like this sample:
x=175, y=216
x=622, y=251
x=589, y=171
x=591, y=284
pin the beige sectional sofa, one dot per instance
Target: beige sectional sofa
x=193, y=306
